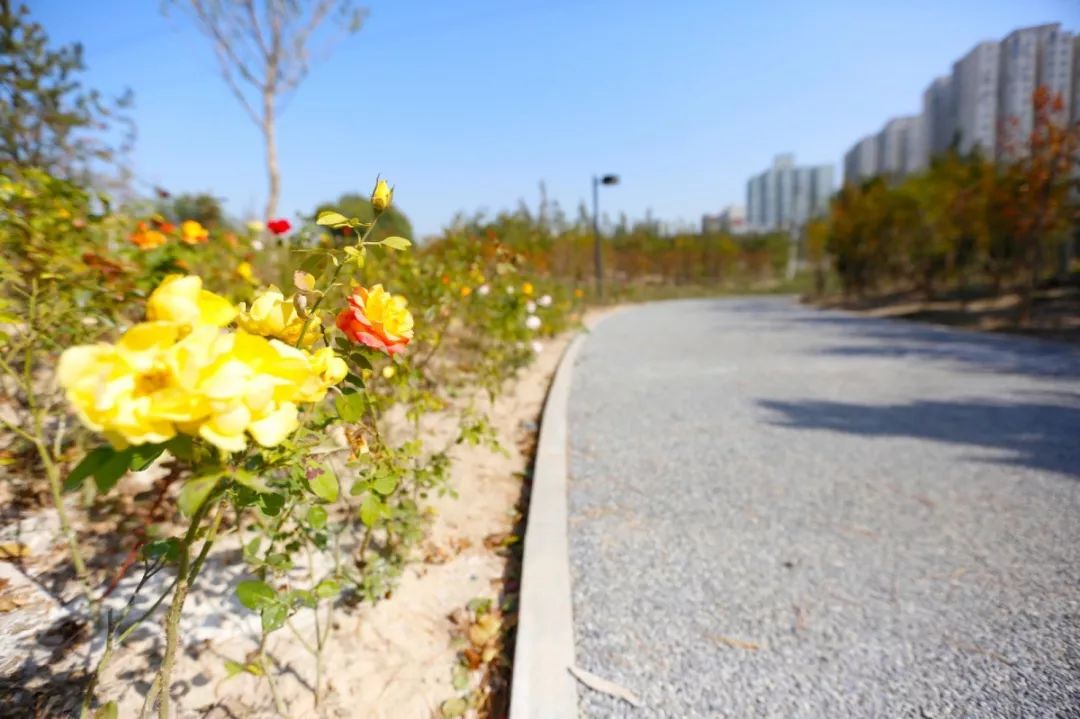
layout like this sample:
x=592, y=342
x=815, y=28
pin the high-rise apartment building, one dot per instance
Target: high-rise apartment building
x=861, y=161
x=938, y=118
x=821, y=189
x=899, y=148
x=786, y=196
x=1031, y=57
x=1075, y=117
x=975, y=81
x=1056, y=57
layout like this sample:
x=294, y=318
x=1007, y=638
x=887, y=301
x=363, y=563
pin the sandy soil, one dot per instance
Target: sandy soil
x=394, y=659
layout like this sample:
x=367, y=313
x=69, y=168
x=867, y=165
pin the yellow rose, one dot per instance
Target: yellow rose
x=327, y=369
x=182, y=300
x=182, y=372
x=193, y=233
x=381, y=196
x=118, y=390
x=274, y=315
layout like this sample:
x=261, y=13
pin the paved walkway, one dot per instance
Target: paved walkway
x=780, y=512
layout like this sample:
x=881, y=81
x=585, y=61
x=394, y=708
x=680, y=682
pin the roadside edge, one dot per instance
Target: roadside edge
x=541, y=685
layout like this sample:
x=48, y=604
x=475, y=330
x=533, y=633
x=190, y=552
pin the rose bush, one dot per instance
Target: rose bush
x=167, y=346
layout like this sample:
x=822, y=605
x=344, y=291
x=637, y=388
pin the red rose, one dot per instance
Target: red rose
x=279, y=226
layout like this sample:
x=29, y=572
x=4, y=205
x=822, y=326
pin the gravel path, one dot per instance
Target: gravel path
x=780, y=512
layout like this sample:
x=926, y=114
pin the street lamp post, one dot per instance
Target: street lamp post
x=597, y=256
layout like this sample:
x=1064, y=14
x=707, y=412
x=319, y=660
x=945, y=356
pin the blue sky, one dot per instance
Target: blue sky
x=468, y=105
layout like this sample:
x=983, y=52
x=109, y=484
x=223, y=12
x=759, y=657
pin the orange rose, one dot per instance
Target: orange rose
x=377, y=319
x=146, y=239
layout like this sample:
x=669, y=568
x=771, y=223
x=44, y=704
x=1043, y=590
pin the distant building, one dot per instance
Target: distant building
x=733, y=219
x=899, y=147
x=786, y=196
x=1031, y=57
x=938, y=118
x=1057, y=56
x=1076, y=80
x=987, y=102
x=975, y=80
x=861, y=161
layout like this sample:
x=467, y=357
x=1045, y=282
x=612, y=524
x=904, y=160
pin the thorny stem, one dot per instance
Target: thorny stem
x=112, y=641
x=185, y=573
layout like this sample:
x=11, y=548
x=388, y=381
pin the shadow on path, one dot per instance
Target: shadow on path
x=876, y=337
x=1042, y=435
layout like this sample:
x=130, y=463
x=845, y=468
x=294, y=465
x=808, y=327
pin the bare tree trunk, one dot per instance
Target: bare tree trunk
x=273, y=173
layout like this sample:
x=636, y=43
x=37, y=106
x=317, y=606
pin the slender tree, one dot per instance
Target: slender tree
x=48, y=119
x=265, y=50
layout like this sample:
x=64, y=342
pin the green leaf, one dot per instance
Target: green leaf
x=452, y=708
x=325, y=486
x=397, y=243
x=167, y=549
x=316, y=517
x=273, y=617
x=370, y=510
x=385, y=483
x=302, y=596
x=350, y=407
x=280, y=562
x=251, y=480
x=111, y=470
x=233, y=668
x=195, y=492
x=89, y=464
x=181, y=447
x=271, y=504
x=144, y=455
x=109, y=710
x=327, y=588
x=251, y=549
x=358, y=358
x=354, y=379
x=461, y=678
x=254, y=594
x=331, y=219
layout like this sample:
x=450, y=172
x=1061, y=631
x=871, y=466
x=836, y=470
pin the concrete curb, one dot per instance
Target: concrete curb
x=542, y=686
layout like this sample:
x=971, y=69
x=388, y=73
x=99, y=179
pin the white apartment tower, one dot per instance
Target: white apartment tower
x=786, y=196
x=899, y=147
x=938, y=117
x=975, y=82
x=1031, y=57
x=861, y=161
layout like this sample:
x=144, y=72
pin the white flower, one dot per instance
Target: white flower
x=483, y=290
x=255, y=226
x=257, y=245
x=533, y=322
x=510, y=290
x=544, y=301
x=537, y=346
x=530, y=307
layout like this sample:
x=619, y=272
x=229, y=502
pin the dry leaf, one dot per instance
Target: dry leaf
x=9, y=603
x=484, y=630
x=605, y=686
x=13, y=550
x=737, y=643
